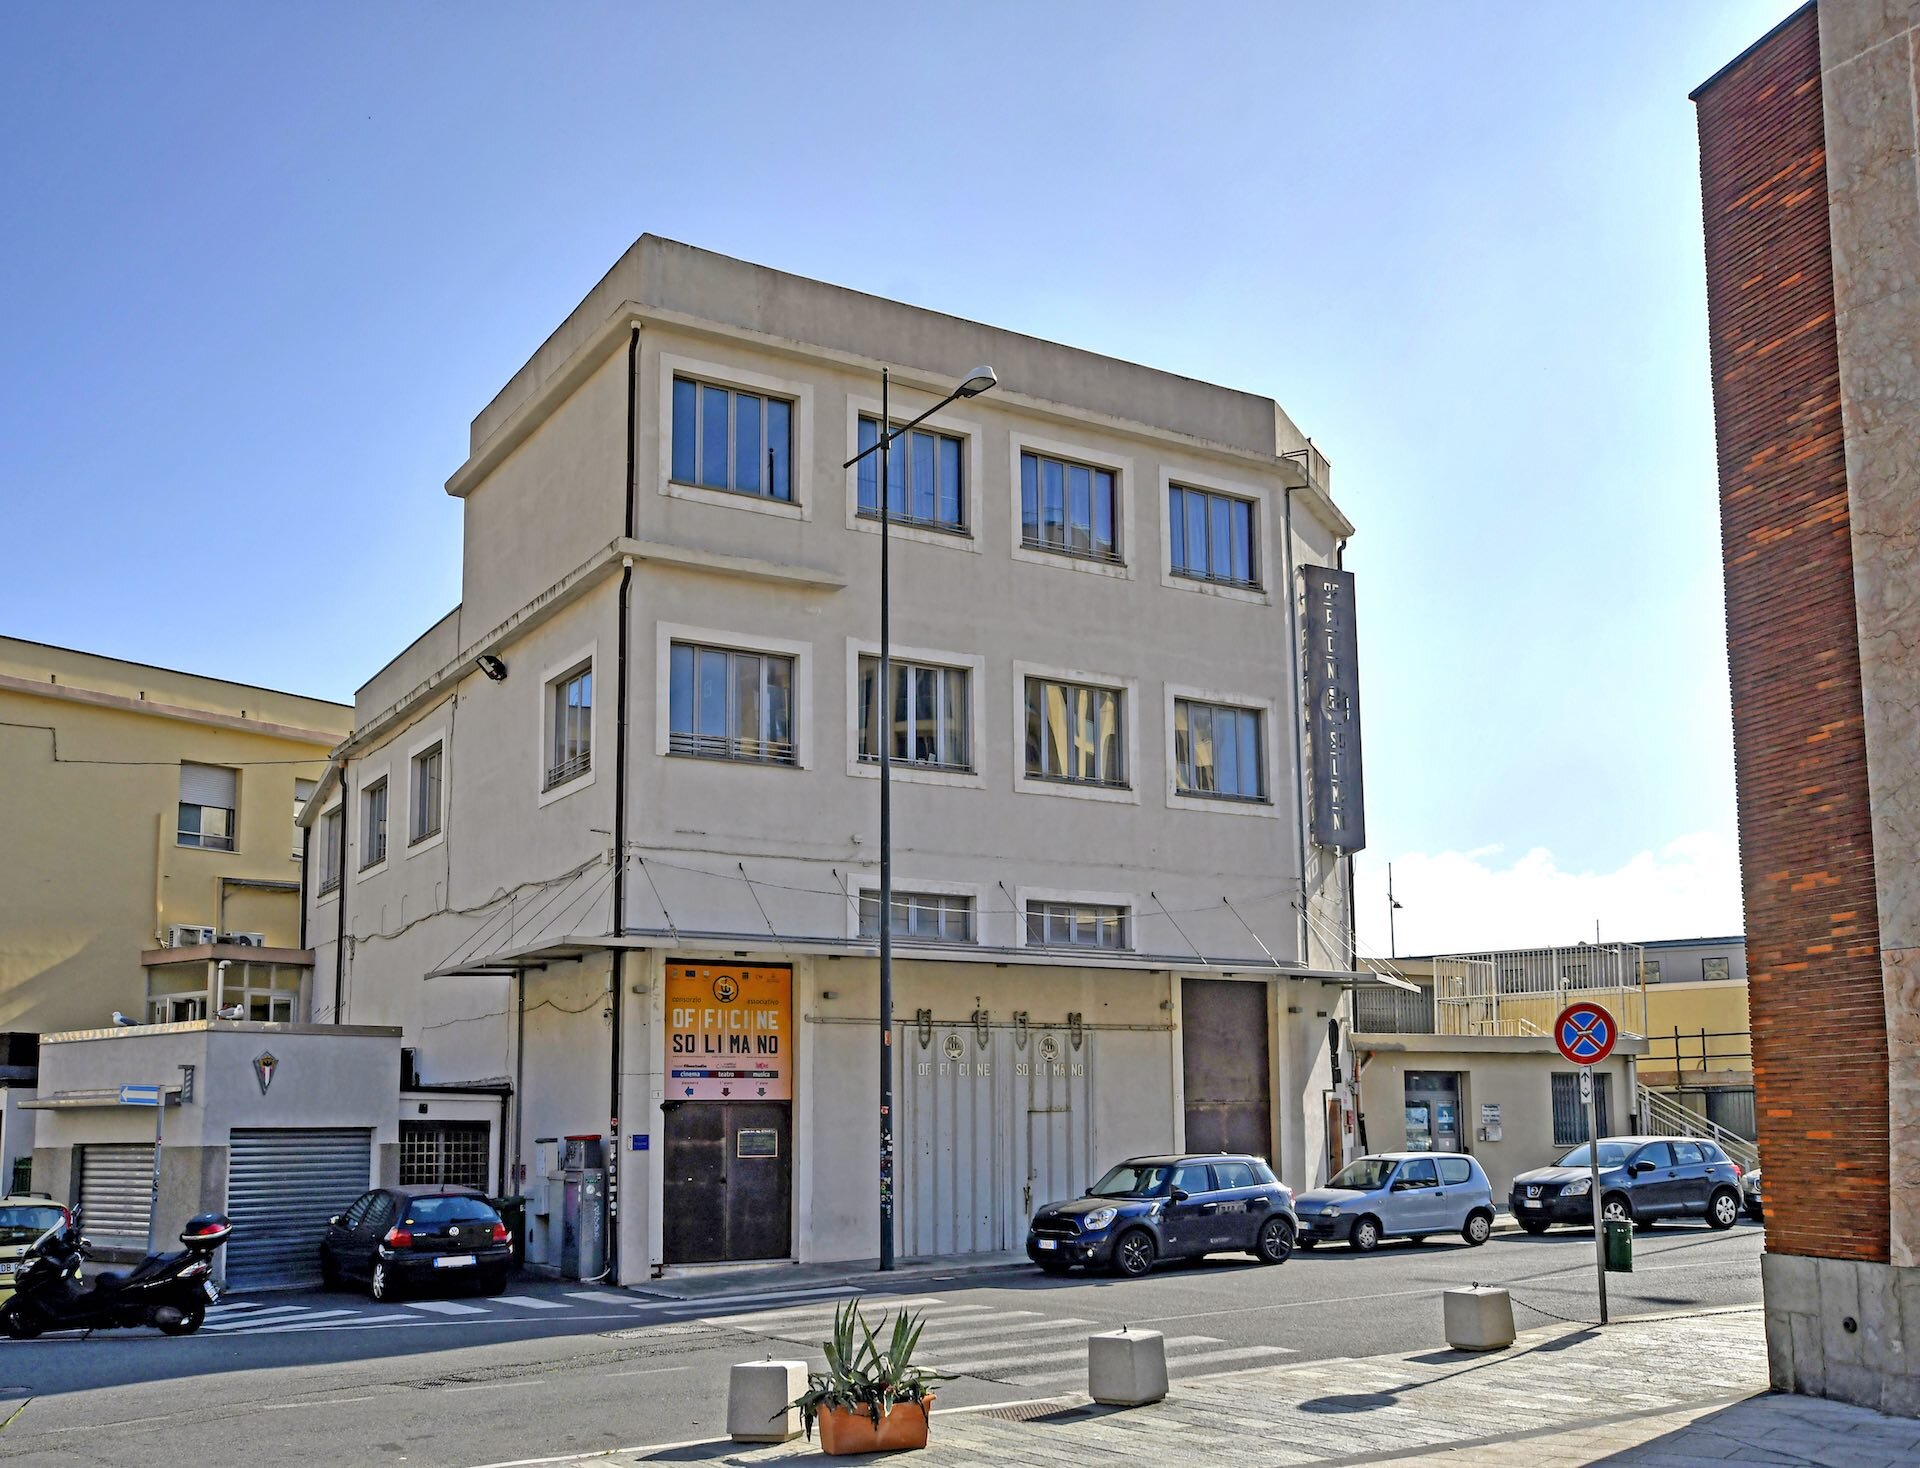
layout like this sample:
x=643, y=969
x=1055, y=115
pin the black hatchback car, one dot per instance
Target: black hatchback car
x=396, y=1239
x=1151, y=1208
x=1642, y=1179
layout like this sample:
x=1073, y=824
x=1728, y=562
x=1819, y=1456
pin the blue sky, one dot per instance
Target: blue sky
x=264, y=263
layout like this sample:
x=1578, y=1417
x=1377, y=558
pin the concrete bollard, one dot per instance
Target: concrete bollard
x=757, y=1396
x=1478, y=1319
x=1127, y=1368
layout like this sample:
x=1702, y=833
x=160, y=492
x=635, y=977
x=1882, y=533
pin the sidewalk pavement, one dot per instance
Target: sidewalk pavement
x=1663, y=1391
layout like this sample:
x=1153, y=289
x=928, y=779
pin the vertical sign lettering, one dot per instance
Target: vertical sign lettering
x=1333, y=708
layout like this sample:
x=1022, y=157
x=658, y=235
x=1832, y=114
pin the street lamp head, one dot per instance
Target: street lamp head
x=978, y=381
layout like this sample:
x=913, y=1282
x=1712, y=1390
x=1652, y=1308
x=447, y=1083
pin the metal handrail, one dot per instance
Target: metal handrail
x=1666, y=1115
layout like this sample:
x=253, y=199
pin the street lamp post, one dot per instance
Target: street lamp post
x=978, y=381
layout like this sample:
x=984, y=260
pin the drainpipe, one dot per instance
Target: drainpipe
x=340, y=928
x=306, y=858
x=618, y=978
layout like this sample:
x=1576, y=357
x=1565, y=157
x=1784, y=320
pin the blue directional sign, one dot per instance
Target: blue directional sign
x=1584, y=1033
x=139, y=1095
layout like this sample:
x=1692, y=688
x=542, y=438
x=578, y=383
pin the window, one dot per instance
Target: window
x=1687, y=1154
x=925, y=483
x=928, y=715
x=302, y=793
x=1652, y=970
x=1233, y=1175
x=1418, y=1173
x=426, y=793
x=1455, y=1170
x=1191, y=1177
x=1658, y=1153
x=731, y=705
x=737, y=441
x=373, y=824
x=331, y=833
x=1217, y=751
x=926, y=917
x=570, y=726
x=1210, y=537
x=207, y=804
x=1074, y=733
x=439, y=1153
x=1570, y=1113
x=1715, y=968
x=1076, y=925
x=1067, y=507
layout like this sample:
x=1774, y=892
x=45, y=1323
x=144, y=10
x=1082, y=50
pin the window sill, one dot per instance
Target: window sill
x=869, y=769
x=734, y=759
x=1231, y=805
x=426, y=842
x=1030, y=784
x=551, y=793
x=371, y=869
x=737, y=499
x=939, y=531
x=1253, y=594
x=1046, y=555
x=226, y=850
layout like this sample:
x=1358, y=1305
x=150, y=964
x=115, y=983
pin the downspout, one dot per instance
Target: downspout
x=619, y=976
x=340, y=928
x=306, y=855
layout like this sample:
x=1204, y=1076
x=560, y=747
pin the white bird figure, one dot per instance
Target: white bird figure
x=233, y=1011
x=121, y=1019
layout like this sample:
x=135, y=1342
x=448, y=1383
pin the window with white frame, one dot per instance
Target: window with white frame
x=922, y=917
x=332, y=848
x=1716, y=968
x=570, y=726
x=925, y=481
x=208, y=795
x=302, y=793
x=727, y=439
x=426, y=793
x=1070, y=508
x=373, y=824
x=727, y=704
x=1652, y=968
x=1217, y=750
x=1075, y=732
x=1210, y=537
x=925, y=718
x=1076, y=925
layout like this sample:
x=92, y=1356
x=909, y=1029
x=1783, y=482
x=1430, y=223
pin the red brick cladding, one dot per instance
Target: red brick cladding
x=1806, y=845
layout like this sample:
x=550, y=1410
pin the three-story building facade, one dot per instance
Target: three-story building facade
x=604, y=840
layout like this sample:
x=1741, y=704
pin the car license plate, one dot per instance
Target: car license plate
x=1529, y=1202
x=1048, y=1243
x=8, y=1268
x=213, y=1294
x=453, y=1261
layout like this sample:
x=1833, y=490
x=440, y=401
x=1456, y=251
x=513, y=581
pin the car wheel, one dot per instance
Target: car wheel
x=1053, y=1266
x=1723, y=1208
x=1133, y=1255
x=1616, y=1209
x=190, y=1318
x=384, y=1286
x=1365, y=1237
x=1275, y=1244
x=1478, y=1230
x=1533, y=1225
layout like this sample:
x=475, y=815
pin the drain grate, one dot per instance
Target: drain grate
x=1037, y=1412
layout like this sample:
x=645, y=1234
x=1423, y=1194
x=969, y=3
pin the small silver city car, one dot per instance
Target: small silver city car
x=1399, y=1195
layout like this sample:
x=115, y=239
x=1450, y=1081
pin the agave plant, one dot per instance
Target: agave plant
x=861, y=1376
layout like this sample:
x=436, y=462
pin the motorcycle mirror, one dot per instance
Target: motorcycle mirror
x=334, y=1222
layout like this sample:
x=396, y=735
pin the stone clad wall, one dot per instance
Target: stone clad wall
x=1800, y=756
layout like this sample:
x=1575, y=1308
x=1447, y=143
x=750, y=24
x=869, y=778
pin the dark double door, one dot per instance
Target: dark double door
x=1226, y=1066
x=729, y=1186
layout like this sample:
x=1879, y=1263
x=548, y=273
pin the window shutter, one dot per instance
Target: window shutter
x=207, y=785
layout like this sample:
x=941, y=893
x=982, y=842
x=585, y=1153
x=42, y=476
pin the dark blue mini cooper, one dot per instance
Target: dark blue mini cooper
x=1151, y=1208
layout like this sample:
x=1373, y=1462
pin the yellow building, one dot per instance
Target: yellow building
x=149, y=860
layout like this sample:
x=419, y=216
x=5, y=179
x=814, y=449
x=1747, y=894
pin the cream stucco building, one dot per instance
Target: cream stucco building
x=605, y=836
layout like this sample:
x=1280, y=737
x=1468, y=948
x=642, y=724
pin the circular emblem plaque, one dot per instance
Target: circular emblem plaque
x=954, y=1048
x=726, y=988
x=1049, y=1049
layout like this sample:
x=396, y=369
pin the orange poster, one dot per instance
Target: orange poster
x=729, y=1032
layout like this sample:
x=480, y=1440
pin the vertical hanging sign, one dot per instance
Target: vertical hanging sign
x=1333, y=708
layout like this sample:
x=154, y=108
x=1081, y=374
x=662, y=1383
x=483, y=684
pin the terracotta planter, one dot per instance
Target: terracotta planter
x=903, y=1427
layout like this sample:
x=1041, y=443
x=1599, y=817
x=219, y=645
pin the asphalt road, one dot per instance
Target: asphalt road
x=554, y=1369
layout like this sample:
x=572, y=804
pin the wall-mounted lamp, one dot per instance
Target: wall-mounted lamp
x=495, y=668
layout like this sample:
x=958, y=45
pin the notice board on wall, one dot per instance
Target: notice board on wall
x=729, y=1032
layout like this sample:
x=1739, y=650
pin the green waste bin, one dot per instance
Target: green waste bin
x=1618, y=1234
x=513, y=1213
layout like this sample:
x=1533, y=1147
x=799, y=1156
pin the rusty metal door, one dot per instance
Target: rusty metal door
x=1226, y=1066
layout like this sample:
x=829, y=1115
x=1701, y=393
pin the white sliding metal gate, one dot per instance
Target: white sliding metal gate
x=283, y=1183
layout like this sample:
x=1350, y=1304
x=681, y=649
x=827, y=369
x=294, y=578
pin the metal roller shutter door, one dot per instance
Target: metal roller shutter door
x=282, y=1186
x=116, y=1193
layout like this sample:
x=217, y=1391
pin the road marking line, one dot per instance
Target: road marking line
x=262, y=1314
x=321, y=1402
x=992, y=1328
x=261, y=1327
x=813, y=1315
x=528, y=1302
x=977, y=1363
x=718, y=1303
x=650, y=1371
x=603, y=1297
x=487, y=1386
x=444, y=1307
x=1254, y=1355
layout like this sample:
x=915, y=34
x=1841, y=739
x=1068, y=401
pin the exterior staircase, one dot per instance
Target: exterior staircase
x=1661, y=1115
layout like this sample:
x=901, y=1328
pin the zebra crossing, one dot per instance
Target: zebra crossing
x=1021, y=1347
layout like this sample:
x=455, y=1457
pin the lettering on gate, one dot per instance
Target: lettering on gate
x=729, y=1032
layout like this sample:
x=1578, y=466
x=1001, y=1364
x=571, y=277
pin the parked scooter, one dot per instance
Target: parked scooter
x=171, y=1291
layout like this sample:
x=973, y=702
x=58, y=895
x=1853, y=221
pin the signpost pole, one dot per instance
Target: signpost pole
x=153, y=1201
x=1593, y=1171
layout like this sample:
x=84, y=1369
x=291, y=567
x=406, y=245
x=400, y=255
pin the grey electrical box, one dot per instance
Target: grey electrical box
x=583, y=1232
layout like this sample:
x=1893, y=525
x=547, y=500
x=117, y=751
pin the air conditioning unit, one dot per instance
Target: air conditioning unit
x=244, y=940
x=189, y=935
